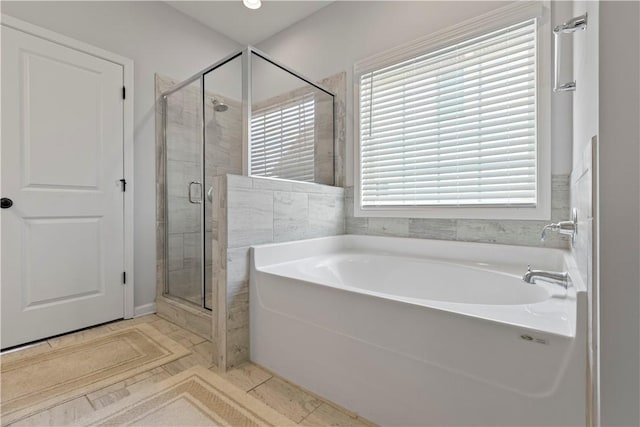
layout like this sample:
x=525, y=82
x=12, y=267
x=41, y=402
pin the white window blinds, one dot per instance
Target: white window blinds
x=282, y=140
x=455, y=127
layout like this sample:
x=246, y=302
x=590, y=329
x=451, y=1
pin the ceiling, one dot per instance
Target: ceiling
x=244, y=25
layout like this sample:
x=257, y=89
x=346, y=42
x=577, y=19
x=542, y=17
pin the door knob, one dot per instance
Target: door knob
x=6, y=203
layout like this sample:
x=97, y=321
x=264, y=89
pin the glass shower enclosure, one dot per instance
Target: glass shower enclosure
x=244, y=115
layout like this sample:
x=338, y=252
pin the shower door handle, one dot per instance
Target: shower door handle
x=191, y=184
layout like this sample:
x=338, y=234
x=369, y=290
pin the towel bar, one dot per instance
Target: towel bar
x=571, y=26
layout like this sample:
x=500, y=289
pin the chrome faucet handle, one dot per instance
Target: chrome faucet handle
x=552, y=227
x=568, y=228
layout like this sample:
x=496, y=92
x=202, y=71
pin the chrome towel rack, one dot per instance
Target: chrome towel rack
x=571, y=26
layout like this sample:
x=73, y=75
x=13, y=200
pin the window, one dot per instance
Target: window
x=282, y=140
x=453, y=127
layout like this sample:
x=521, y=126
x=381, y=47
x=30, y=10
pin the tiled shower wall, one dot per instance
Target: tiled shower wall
x=223, y=154
x=255, y=211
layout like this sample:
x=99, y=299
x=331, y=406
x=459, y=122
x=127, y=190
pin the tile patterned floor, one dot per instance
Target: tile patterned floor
x=291, y=401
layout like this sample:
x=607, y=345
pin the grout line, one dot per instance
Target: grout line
x=273, y=216
x=124, y=385
x=258, y=385
x=349, y=413
x=309, y=414
x=166, y=370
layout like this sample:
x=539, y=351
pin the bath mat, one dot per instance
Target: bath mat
x=196, y=397
x=33, y=383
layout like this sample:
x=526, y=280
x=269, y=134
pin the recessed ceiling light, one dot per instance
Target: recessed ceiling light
x=252, y=4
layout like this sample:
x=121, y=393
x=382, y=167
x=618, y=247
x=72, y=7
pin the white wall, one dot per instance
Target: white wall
x=159, y=39
x=607, y=104
x=585, y=126
x=334, y=38
x=585, y=58
x=619, y=114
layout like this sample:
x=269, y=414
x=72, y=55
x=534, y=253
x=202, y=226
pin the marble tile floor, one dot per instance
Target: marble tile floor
x=300, y=406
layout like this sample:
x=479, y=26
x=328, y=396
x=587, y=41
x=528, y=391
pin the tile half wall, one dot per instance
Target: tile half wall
x=252, y=211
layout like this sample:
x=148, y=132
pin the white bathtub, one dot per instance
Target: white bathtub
x=422, y=332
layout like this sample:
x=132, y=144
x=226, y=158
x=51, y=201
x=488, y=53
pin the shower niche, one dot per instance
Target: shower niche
x=244, y=115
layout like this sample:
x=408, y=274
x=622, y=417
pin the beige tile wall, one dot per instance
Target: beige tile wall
x=219, y=269
x=582, y=184
x=583, y=197
x=338, y=85
x=511, y=232
x=261, y=210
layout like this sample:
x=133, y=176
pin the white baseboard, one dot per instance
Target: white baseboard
x=145, y=309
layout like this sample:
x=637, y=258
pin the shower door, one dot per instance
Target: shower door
x=184, y=231
x=203, y=140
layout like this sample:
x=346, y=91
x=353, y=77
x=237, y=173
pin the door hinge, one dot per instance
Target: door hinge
x=124, y=277
x=124, y=184
x=124, y=93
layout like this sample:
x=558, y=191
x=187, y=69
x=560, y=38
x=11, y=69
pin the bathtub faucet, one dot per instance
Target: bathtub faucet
x=556, y=277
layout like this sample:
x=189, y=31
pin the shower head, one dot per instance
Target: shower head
x=219, y=105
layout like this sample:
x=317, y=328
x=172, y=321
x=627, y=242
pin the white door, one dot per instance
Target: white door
x=62, y=161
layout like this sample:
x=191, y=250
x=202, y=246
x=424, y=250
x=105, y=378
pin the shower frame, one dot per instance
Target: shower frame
x=246, y=56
